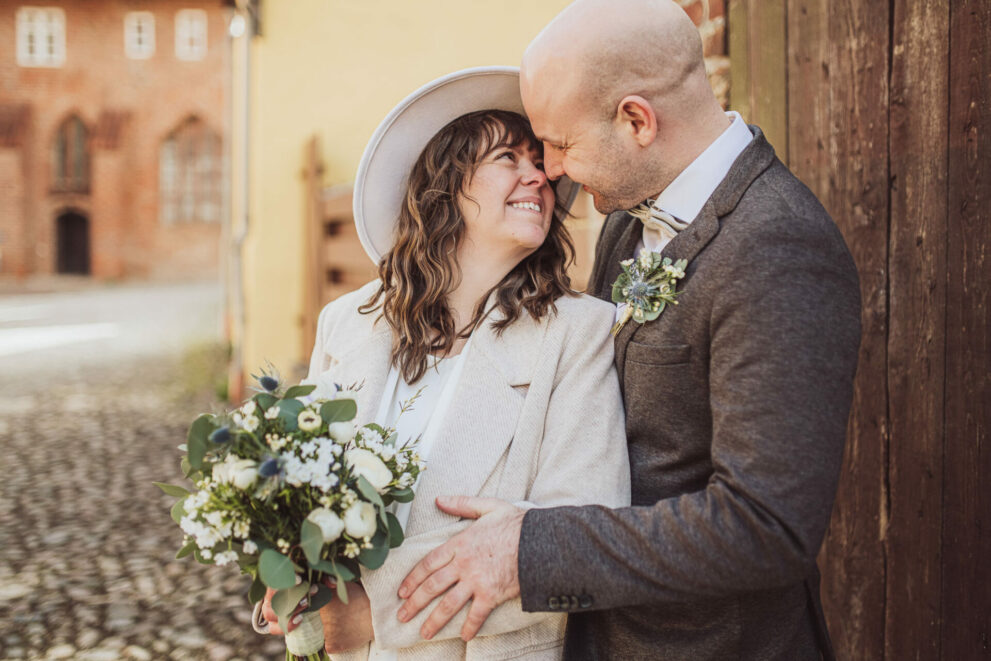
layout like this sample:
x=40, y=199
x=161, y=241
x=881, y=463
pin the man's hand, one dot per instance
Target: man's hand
x=477, y=564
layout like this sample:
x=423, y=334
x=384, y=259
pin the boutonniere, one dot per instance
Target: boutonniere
x=647, y=284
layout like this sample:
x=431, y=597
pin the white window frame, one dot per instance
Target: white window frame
x=139, y=34
x=40, y=36
x=190, y=34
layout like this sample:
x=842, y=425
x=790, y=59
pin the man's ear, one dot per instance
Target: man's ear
x=635, y=114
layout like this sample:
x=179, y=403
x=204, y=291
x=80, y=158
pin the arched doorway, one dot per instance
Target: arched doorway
x=72, y=230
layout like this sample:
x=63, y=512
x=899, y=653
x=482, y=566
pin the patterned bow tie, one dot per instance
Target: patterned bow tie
x=657, y=220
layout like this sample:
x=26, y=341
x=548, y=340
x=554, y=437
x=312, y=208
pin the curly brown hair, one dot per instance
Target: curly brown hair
x=421, y=269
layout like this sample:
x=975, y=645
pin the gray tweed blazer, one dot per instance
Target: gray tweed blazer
x=736, y=408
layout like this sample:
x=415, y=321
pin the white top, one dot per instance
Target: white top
x=687, y=194
x=436, y=388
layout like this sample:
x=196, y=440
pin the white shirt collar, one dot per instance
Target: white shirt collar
x=687, y=194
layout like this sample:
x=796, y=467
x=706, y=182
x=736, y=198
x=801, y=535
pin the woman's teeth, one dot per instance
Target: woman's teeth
x=526, y=205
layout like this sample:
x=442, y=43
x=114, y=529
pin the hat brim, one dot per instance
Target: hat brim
x=380, y=184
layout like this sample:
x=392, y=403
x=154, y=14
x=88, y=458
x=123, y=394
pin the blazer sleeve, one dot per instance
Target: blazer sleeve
x=783, y=348
x=582, y=460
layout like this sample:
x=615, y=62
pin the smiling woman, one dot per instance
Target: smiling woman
x=479, y=218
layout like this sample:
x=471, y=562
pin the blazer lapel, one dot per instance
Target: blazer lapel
x=366, y=364
x=477, y=428
x=622, y=249
x=757, y=157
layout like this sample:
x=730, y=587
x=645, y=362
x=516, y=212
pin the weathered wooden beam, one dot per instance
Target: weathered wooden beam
x=917, y=337
x=838, y=145
x=966, y=543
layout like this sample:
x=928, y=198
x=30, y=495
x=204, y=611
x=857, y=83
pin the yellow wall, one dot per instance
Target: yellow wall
x=335, y=68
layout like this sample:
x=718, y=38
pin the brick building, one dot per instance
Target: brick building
x=113, y=121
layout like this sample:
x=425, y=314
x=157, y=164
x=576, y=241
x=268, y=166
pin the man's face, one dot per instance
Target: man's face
x=590, y=150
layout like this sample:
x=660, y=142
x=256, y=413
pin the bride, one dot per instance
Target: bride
x=472, y=314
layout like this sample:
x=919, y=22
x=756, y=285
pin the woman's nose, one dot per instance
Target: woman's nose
x=532, y=175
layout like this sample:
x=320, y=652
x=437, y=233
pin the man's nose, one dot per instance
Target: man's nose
x=552, y=163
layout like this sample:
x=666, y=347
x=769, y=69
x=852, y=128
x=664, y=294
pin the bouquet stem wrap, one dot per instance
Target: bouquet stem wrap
x=306, y=640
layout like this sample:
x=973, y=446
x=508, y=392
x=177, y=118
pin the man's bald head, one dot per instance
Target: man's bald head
x=618, y=92
x=596, y=52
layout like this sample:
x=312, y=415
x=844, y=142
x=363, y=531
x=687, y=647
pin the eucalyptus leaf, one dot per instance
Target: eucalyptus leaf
x=183, y=447
x=178, y=510
x=265, y=400
x=257, y=590
x=200, y=559
x=185, y=550
x=369, y=492
x=289, y=413
x=284, y=602
x=375, y=556
x=311, y=540
x=276, y=570
x=323, y=597
x=197, y=441
x=186, y=467
x=338, y=410
x=299, y=391
x=172, y=490
x=403, y=495
x=342, y=591
x=395, y=531
x=339, y=571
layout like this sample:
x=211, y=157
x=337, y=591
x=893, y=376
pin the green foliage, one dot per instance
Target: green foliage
x=311, y=541
x=395, y=531
x=338, y=410
x=257, y=590
x=171, y=489
x=375, y=556
x=276, y=570
x=284, y=602
x=299, y=391
x=197, y=440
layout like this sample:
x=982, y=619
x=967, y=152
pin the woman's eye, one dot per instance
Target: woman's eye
x=509, y=154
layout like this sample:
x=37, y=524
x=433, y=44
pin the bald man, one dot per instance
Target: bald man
x=736, y=399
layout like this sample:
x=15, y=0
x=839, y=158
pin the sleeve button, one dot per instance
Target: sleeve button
x=553, y=603
x=585, y=601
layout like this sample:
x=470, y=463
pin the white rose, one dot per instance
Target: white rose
x=341, y=431
x=330, y=524
x=359, y=520
x=366, y=464
x=244, y=472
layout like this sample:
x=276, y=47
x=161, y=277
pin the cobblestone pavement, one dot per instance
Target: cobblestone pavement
x=87, y=568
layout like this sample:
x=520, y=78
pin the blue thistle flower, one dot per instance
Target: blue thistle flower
x=269, y=468
x=269, y=383
x=221, y=435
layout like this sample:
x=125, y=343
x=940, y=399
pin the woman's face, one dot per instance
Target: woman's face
x=513, y=202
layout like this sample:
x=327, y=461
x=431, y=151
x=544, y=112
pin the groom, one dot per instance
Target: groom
x=736, y=398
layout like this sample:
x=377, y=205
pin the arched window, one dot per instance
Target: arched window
x=189, y=175
x=71, y=157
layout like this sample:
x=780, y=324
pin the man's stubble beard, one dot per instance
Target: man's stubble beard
x=626, y=181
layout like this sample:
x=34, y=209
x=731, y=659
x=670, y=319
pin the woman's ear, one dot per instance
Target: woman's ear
x=635, y=114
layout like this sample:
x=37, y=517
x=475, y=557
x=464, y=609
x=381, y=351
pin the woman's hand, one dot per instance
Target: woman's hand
x=294, y=617
x=346, y=626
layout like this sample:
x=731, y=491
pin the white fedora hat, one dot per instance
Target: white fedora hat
x=380, y=184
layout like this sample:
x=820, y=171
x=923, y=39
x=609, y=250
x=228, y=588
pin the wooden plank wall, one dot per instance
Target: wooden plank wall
x=884, y=110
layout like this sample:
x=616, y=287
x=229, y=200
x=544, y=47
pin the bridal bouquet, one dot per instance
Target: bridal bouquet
x=287, y=487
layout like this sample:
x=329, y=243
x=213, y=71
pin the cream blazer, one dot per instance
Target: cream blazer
x=537, y=419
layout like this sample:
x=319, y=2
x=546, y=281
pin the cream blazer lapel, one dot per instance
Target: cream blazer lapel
x=478, y=426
